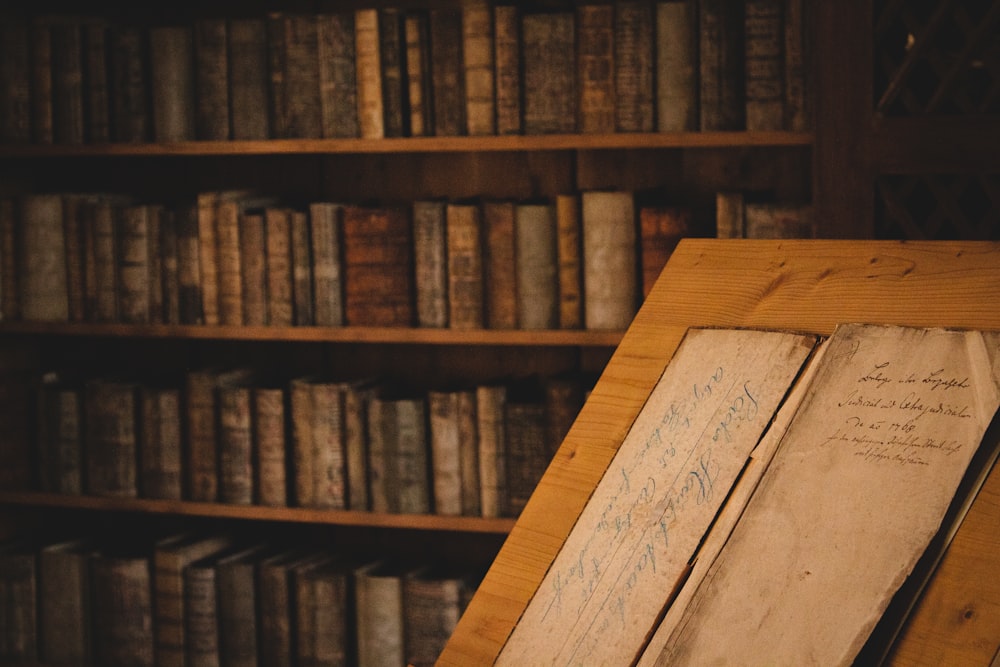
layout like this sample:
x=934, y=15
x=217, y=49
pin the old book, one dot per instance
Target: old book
x=236, y=588
x=111, y=438
x=492, y=454
x=253, y=266
x=357, y=395
x=379, y=608
x=634, y=66
x=17, y=412
x=764, y=39
x=171, y=59
x=208, y=258
x=463, y=235
x=122, y=608
x=430, y=259
x=468, y=450
x=171, y=284
x=60, y=434
x=796, y=66
x=392, y=47
x=278, y=256
x=303, y=108
x=170, y=558
x=676, y=45
x=325, y=611
x=248, y=79
x=536, y=269
x=527, y=448
x=302, y=268
x=211, y=57
x=67, y=80
x=416, y=29
x=895, y=490
x=569, y=255
x=276, y=606
x=202, y=453
x=230, y=209
x=42, y=259
x=433, y=601
x=271, y=438
x=507, y=63
x=564, y=396
x=398, y=471
x=10, y=291
x=97, y=88
x=160, y=456
x=64, y=603
x=15, y=79
x=609, y=249
x=134, y=277
x=19, y=611
x=446, y=451
x=671, y=446
x=234, y=391
x=595, y=58
x=549, y=65
x=189, y=291
x=478, y=65
x=130, y=116
x=328, y=287
x=100, y=236
x=778, y=220
x=320, y=480
x=274, y=27
x=722, y=96
x=337, y=74
x=499, y=264
x=378, y=266
x=660, y=230
x=74, y=213
x=368, y=66
x=447, y=71
x=154, y=220
x=40, y=43
x=201, y=613
x=730, y=221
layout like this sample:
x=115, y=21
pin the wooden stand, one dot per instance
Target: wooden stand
x=799, y=285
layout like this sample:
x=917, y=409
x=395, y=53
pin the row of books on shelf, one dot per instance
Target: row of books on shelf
x=574, y=261
x=221, y=600
x=233, y=437
x=478, y=69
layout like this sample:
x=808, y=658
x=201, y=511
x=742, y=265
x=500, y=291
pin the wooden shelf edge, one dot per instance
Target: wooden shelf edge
x=419, y=144
x=432, y=522
x=347, y=334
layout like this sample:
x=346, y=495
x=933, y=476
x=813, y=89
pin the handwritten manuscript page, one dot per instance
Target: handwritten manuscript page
x=608, y=586
x=857, y=488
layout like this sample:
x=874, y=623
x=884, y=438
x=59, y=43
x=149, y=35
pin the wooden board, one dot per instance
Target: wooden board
x=803, y=285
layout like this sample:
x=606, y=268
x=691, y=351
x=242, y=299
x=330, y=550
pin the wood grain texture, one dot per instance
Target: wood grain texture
x=802, y=285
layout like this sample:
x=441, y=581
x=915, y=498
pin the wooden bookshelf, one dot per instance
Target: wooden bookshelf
x=807, y=286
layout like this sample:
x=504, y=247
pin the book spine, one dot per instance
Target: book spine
x=278, y=231
x=596, y=64
x=569, y=257
x=392, y=58
x=211, y=55
x=796, y=66
x=169, y=241
x=228, y=262
x=42, y=259
x=465, y=266
x=15, y=77
x=40, y=42
x=676, y=66
x=764, y=63
x=130, y=121
x=722, y=100
x=208, y=258
x=123, y=611
x=104, y=234
x=633, y=59
x=490, y=400
x=537, y=275
x=276, y=70
x=160, y=443
x=660, y=230
x=378, y=267
x=446, y=461
x=302, y=269
x=133, y=265
x=500, y=265
x=236, y=472
x=338, y=75
x=329, y=485
x=237, y=610
x=73, y=220
x=157, y=276
x=111, y=445
x=201, y=616
x=270, y=437
x=447, y=75
x=549, y=61
x=303, y=477
x=189, y=289
x=418, y=73
x=324, y=219
x=202, y=453
x=468, y=451
x=10, y=289
x=64, y=615
x=173, y=89
x=477, y=55
x=356, y=400
x=430, y=263
x=368, y=61
x=609, y=249
x=97, y=91
x=302, y=93
x=252, y=268
x=67, y=82
x=507, y=54
x=248, y=79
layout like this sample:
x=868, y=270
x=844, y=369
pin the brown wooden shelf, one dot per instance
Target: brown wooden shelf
x=545, y=142
x=433, y=522
x=380, y=335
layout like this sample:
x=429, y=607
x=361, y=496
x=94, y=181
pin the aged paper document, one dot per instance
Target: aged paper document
x=856, y=490
x=634, y=541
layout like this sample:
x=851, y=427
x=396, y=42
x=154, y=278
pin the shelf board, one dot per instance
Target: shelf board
x=464, y=524
x=619, y=140
x=379, y=335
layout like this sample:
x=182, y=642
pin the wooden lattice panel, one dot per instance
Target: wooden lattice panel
x=938, y=207
x=936, y=57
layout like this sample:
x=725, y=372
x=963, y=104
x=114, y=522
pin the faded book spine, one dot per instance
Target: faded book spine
x=111, y=445
x=507, y=55
x=338, y=75
x=430, y=256
x=609, y=249
x=465, y=265
x=634, y=90
x=211, y=53
x=764, y=65
x=368, y=62
x=676, y=66
x=392, y=48
x=596, y=65
x=569, y=253
x=173, y=83
x=418, y=73
x=500, y=266
x=42, y=259
x=270, y=433
x=328, y=288
x=537, y=273
x=477, y=58
x=447, y=72
x=549, y=65
x=160, y=444
x=248, y=79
